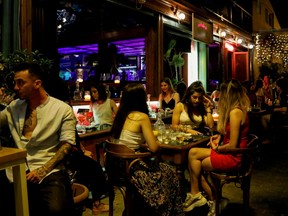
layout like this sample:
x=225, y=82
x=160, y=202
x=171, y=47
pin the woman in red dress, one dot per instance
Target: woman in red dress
x=233, y=126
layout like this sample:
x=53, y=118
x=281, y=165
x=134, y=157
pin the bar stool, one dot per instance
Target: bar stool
x=118, y=157
x=241, y=177
x=80, y=194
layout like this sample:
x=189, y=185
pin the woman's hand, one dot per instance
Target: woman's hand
x=193, y=132
x=214, y=141
x=207, y=103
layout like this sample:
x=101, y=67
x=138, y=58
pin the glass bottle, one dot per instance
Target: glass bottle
x=159, y=126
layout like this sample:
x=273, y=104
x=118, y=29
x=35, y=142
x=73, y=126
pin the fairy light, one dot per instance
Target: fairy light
x=272, y=46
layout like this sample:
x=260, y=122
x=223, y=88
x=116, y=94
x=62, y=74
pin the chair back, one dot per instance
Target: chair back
x=122, y=151
x=249, y=154
x=240, y=177
x=118, y=158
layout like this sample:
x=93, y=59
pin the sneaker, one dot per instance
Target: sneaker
x=212, y=208
x=194, y=201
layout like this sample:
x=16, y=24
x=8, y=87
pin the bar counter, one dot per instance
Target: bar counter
x=92, y=141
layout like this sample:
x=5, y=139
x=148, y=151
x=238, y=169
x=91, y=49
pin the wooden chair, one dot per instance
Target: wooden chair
x=118, y=157
x=241, y=177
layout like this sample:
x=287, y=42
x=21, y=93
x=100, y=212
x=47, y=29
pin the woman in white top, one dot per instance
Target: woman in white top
x=194, y=110
x=103, y=108
x=132, y=126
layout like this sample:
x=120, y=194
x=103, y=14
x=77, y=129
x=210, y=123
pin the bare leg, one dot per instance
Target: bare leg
x=206, y=187
x=196, y=155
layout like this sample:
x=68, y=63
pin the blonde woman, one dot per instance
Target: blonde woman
x=233, y=126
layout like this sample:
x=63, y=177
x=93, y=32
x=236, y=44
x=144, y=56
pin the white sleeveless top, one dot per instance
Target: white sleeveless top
x=103, y=113
x=130, y=139
x=185, y=120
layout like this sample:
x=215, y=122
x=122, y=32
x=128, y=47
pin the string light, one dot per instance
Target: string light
x=272, y=46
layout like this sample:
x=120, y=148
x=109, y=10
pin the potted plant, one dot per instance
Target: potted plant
x=174, y=59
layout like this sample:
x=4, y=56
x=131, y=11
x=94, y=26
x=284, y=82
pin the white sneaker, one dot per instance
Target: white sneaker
x=194, y=201
x=212, y=208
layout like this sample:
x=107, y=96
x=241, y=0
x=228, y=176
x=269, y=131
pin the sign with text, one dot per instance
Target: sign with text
x=203, y=31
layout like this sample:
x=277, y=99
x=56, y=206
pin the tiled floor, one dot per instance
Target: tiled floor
x=269, y=190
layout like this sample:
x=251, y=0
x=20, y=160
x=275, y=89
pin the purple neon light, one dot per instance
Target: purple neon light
x=127, y=47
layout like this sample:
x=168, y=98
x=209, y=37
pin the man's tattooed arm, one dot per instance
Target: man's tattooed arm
x=38, y=174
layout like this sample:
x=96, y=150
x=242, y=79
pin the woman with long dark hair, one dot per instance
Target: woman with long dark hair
x=194, y=110
x=104, y=109
x=132, y=125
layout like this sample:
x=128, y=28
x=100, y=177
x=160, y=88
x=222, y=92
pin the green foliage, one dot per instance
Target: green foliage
x=8, y=62
x=174, y=59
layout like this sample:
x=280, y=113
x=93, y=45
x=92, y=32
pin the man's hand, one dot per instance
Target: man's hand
x=5, y=98
x=37, y=175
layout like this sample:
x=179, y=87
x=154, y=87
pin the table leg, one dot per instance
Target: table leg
x=20, y=190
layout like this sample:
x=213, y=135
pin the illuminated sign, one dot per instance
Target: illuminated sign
x=203, y=30
x=202, y=25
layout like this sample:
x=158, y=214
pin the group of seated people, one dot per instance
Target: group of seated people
x=271, y=98
x=132, y=126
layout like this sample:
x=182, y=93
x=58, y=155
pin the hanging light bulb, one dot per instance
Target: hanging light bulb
x=223, y=33
x=181, y=16
x=239, y=40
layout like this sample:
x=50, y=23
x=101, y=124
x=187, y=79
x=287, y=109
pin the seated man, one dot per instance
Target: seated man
x=45, y=127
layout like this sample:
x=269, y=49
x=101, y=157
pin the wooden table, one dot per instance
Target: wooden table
x=92, y=141
x=12, y=157
x=178, y=154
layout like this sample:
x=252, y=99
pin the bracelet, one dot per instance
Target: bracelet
x=217, y=150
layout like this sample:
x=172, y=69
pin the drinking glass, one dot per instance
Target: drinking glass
x=180, y=137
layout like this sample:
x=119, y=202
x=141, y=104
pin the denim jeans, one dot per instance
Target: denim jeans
x=53, y=197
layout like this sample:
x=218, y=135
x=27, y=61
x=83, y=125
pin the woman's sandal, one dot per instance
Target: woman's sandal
x=97, y=209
